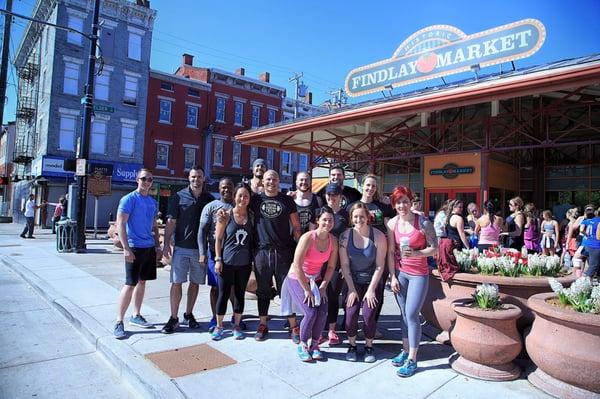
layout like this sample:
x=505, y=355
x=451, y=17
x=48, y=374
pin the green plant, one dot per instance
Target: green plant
x=583, y=295
x=486, y=296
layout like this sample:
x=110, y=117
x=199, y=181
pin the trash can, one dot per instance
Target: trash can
x=65, y=235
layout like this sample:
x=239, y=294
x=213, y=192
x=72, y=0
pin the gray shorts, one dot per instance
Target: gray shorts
x=186, y=261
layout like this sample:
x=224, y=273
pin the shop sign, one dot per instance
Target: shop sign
x=443, y=50
x=125, y=172
x=451, y=171
x=103, y=108
x=120, y=172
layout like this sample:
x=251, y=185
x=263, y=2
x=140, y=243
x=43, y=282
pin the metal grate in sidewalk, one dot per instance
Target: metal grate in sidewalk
x=189, y=360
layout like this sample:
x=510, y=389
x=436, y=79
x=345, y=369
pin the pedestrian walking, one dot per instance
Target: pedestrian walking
x=30, y=208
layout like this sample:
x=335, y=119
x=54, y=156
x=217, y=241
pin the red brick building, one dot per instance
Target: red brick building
x=237, y=103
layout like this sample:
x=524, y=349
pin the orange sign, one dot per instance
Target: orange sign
x=456, y=170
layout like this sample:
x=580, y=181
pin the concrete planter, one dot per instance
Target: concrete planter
x=438, y=311
x=487, y=341
x=565, y=346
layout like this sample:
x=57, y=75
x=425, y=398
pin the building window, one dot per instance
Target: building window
x=131, y=90
x=271, y=116
x=165, y=111
x=192, y=116
x=134, y=48
x=127, y=140
x=76, y=23
x=286, y=163
x=102, y=86
x=98, y=137
x=66, y=139
x=218, y=154
x=189, y=157
x=166, y=86
x=270, y=157
x=220, y=109
x=239, y=113
x=194, y=92
x=162, y=156
x=253, y=154
x=255, y=116
x=71, y=82
x=303, y=163
x=236, y=154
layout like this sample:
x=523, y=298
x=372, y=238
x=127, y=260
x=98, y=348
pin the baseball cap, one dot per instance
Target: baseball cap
x=259, y=161
x=333, y=188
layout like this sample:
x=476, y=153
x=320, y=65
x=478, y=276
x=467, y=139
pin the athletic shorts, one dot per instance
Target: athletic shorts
x=186, y=262
x=211, y=275
x=142, y=268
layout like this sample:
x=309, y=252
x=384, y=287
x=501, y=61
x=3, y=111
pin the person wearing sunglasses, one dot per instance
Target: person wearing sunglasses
x=138, y=233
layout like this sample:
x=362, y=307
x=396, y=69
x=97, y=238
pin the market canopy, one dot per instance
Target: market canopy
x=411, y=125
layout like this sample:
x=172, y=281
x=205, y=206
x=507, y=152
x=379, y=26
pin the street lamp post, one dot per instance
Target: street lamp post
x=84, y=150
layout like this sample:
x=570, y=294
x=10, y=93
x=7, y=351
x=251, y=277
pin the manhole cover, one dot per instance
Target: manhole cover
x=189, y=360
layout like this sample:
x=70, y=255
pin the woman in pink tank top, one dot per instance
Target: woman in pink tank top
x=308, y=288
x=411, y=239
x=488, y=227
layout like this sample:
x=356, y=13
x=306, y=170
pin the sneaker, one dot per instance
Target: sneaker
x=351, y=354
x=237, y=333
x=295, y=334
x=217, y=334
x=261, y=333
x=303, y=353
x=30, y=237
x=407, y=369
x=212, y=324
x=191, y=320
x=370, y=354
x=334, y=339
x=316, y=353
x=171, y=326
x=119, y=331
x=22, y=236
x=400, y=359
x=243, y=325
x=139, y=321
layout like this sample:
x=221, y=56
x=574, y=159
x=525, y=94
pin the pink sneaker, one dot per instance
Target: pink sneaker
x=333, y=338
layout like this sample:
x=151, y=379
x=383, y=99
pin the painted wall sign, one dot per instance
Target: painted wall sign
x=451, y=171
x=442, y=50
x=50, y=166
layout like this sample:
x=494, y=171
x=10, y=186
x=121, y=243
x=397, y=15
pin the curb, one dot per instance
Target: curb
x=144, y=378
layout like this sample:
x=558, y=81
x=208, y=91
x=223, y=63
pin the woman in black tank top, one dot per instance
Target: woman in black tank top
x=234, y=240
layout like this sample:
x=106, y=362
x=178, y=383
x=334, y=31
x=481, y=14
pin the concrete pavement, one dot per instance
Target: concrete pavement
x=84, y=288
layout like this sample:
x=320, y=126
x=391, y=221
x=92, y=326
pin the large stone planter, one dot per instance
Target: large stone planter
x=565, y=346
x=486, y=340
x=437, y=308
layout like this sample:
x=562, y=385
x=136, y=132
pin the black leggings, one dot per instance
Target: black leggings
x=236, y=277
x=333, y=296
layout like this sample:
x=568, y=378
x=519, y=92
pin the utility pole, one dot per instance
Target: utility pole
x=84, y=150
x=5, y=49
x=296, y=77
x=338, y=97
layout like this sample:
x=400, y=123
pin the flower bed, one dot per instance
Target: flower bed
x=509, y=263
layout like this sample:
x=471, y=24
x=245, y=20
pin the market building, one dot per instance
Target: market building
x=532, y=132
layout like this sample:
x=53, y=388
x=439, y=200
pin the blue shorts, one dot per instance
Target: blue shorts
x=185, y=262
x=211, y=276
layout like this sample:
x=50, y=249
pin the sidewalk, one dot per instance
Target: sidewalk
x=84, y=288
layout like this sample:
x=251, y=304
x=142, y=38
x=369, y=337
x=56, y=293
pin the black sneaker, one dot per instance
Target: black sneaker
x=171, y=326
x=351, y=354
x=191, y=321
x=22, y=236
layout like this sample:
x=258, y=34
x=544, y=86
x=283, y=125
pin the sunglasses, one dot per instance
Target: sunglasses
x=148, y=179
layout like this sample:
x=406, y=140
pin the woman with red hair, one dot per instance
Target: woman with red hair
x=411, y=239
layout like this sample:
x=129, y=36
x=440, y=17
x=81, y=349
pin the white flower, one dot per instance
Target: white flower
x=556, y=286
x=583, y=285
x=489, y=290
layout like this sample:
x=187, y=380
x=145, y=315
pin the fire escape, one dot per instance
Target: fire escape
x=26, y=113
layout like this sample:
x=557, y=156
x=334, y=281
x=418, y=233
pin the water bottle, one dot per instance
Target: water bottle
x=404, y=244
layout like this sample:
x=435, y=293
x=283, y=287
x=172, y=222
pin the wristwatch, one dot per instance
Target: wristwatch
x=218, y=259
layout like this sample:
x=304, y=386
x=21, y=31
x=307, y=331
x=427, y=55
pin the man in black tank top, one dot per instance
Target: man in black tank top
x=306, y=201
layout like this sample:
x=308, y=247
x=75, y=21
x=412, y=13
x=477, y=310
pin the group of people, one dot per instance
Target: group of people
x=575, y=238
x=315, y=251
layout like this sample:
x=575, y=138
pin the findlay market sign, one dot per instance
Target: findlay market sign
x=442, y=50
x=451, y=171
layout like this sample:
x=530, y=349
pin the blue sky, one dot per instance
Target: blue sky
x=326, y=39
